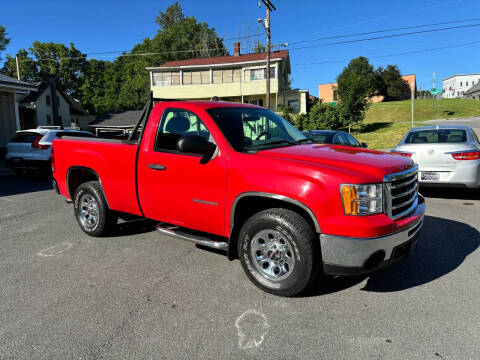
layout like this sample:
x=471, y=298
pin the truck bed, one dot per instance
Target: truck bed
x=114, y=162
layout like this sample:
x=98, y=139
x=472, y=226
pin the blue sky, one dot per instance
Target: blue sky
x=97, y=26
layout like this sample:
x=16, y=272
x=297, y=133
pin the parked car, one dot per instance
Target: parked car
x=31, y=149
x=334, y=137
x=447, y=155
x=239, y=177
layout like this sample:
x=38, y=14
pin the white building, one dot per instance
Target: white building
x=457, y=85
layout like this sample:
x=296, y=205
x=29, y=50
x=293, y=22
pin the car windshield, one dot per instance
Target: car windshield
x=255, y=128
x=436, y=136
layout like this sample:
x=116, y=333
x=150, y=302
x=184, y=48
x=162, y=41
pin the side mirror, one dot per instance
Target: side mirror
x=363, y=145
x=196, y=144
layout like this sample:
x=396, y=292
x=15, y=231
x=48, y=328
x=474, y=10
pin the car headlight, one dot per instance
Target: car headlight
x=362, y=199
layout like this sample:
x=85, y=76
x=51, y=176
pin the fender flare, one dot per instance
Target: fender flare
x=76, y=167
x=276, y=197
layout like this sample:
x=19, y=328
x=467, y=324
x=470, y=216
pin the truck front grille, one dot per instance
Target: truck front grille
x=401, y=193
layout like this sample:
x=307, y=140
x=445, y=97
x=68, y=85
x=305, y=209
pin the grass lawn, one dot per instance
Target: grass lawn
x=386, y=123
x=395, y=111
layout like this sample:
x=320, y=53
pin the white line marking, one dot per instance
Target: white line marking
x=55, y=250
x=252, y=326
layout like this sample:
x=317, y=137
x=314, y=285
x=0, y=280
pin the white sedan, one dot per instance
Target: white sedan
x=447, y=155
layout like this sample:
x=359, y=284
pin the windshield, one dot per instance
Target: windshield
x=324, y=138
x=255, y=128
x=436, y=136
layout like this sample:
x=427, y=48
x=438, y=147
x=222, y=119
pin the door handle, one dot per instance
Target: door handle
x=156, y=167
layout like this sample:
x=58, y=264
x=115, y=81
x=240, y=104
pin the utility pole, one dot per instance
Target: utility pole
x=433, y=98
x=266, y=23
x=18, y=68
x=53, y=96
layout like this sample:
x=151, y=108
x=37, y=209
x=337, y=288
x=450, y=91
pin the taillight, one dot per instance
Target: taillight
x=52, y=160
x=402, y=153
x=36, y=144
x=466, y=155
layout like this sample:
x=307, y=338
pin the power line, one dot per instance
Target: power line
x=386, y=36
x=396, y=54
x=383, y=30
x=391, y=15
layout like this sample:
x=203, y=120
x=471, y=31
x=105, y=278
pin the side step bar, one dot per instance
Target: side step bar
x=178, y=232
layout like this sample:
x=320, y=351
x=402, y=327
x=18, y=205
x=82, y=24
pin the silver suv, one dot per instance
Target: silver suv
x=32, y=149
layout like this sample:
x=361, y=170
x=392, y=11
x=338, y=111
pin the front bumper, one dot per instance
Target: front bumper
x=355, y=256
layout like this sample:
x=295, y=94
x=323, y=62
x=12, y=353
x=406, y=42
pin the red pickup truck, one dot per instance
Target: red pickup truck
x=239, y=177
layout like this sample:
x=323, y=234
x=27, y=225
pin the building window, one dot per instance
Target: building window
x=261, y=74
x=466, y=84
x=49, y=119
x=166, y=78
x=295, y=104
x=47, y=100
x=473, y=83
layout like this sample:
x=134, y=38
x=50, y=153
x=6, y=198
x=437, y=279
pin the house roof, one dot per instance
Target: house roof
x=229, y=59
x=125, y=119
x=473, y=89
x=12, y=82
x=42, y=86
x=472, y=74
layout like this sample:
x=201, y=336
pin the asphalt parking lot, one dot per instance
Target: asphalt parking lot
x=143, y=295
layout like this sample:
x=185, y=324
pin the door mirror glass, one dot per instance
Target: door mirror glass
x=363, y=145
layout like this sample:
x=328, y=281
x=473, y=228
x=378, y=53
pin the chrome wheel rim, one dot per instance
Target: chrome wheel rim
x=272, y=254
x=88, y=211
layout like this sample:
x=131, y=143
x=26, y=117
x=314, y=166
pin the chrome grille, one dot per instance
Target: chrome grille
x=401, y=192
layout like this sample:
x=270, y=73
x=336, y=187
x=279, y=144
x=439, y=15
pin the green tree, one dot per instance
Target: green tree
x=28, y=67
x=324, y=116
x=390, y=83
x=356, y=84
x=65, y=63
x=287, y=113
x=172, y=15
x=4, y=40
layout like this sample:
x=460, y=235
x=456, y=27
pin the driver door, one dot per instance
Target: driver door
x=175, y=187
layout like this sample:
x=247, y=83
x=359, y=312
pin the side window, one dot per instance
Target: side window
x=176, y=123
x=351, y=140
x=339, y=139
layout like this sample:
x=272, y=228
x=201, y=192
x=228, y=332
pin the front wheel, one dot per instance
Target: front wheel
x=277, y=252
x=91, y=210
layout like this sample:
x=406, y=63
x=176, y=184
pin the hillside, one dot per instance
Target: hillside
x=386, y=123
x=396, y=111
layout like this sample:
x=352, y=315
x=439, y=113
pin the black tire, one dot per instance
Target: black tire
x=281, y=227
x=100, y=220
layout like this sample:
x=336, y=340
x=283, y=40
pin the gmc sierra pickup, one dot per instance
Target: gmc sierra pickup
x=239, y=177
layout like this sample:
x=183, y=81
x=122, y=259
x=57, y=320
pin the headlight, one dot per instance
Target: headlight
x=362, y=199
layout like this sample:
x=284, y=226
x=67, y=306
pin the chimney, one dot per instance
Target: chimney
x=236, y=48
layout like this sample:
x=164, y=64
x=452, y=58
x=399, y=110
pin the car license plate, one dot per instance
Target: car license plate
x=429, y=176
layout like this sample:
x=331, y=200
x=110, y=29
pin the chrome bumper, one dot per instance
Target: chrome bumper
x=353, y=256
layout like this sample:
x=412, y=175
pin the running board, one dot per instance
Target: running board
x=177, y=232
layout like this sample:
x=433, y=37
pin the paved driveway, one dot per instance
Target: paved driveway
x=143, y=295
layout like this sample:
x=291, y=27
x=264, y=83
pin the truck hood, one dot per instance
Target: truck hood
x=361, y=161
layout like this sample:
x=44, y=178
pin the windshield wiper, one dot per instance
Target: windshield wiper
x=273, y=142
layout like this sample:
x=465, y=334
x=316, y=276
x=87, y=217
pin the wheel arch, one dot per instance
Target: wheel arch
x=249, y=203
x=77, y=175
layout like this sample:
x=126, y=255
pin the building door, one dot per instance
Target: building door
x=8, y=124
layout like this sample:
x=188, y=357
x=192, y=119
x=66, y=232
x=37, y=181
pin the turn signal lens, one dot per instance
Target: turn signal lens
x=468, y=155
x=350, y=200
x=359, y=199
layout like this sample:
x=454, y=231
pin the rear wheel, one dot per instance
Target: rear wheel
x=91, y=210
x=277, y=252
